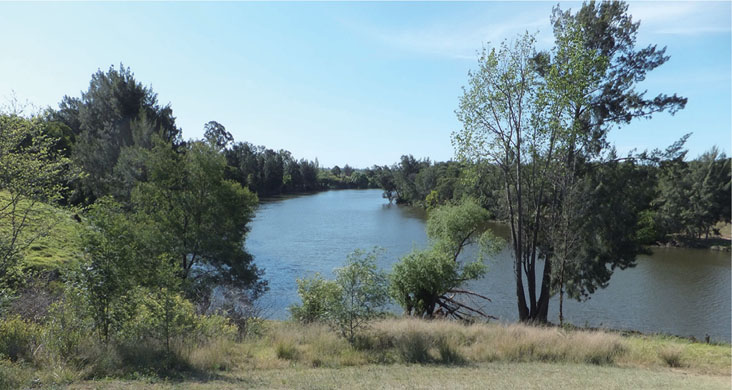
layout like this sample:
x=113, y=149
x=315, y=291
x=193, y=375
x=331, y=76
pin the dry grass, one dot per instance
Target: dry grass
x=512, y=343
x=411, y=353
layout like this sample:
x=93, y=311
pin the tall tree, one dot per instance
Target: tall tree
x=202, y=218
x=542, y=118
x=115, y=112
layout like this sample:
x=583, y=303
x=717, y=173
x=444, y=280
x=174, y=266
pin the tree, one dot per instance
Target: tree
x=336, y=171
x=542, y=118
x=201, y=217
x=32, y=169
x=363, y=293
x=215, y=133
x=116, y=112
x=347, y=170
x=427, y=280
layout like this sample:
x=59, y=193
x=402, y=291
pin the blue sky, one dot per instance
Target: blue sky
x=357, y=83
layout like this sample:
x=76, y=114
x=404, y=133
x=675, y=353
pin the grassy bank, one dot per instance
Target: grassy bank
x=54, y=235
x=408, y=353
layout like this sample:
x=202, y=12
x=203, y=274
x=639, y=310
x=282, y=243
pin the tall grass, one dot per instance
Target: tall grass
x=408, y=341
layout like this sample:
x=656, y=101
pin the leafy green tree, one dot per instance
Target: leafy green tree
x=201, y=217
x=426, y=280
x=32, y=170
x=336, y=171
x=112, y=266
x=215, y=133
x=542, y=118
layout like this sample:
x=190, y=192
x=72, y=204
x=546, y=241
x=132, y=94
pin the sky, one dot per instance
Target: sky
x=356, y=83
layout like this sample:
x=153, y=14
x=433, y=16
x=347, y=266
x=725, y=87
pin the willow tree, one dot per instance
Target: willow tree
x=543, y=119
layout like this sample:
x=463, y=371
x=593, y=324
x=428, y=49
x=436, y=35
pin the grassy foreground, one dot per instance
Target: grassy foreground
x=410, y=353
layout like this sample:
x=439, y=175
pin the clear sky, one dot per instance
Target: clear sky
x=356, y=83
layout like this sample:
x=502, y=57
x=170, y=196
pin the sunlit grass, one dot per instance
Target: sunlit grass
x=59, y=241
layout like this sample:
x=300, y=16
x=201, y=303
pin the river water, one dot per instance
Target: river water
x=684, y=292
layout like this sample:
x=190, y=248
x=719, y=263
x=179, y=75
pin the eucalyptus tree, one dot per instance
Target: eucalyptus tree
x=543, y=118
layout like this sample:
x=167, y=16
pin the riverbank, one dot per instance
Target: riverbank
x=719, y=240
x=409, y=353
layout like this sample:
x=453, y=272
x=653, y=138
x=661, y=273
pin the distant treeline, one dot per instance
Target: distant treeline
x=268, y=172
x=105, y=130
x=676, y=196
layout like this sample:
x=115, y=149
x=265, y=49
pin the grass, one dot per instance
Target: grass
x=411, y=353
x=61, y=241
x=399, y=376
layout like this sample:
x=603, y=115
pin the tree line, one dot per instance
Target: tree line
x=533, y=150
x=163, y=221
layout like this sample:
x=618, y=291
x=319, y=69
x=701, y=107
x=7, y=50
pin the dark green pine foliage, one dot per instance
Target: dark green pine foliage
x=114, y=118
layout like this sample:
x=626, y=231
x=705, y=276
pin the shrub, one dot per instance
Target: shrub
x=364, y=291
x=348, y=303
x=18, y=338
x=67, y=327
x=13, y=376
x=318, y=296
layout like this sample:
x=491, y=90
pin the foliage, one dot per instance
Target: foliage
x=30, y=173
x=543, y=119
x=347, y=303
x=199, y=219
x=114, y=117
x=18, y=338
x=693, y=196
x=363, y=293
x=422, y=280
x=114, y=264
x=318, y=297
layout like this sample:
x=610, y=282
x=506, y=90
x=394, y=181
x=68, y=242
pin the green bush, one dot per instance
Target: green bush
x=68, y=329
x=348, y=303
x=19, y=338
x=318, y=296
x=13, y=376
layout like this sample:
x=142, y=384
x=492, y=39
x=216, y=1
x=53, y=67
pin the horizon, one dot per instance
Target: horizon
x=358, y=84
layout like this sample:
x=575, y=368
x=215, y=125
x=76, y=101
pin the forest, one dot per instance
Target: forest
x=123, y=255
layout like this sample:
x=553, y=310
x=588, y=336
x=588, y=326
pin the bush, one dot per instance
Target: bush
x=68, y=328
x=19, y=338
x=13, y=376
x=364, y=291
x=448, y=351
x=348, y=303
x=318, y=296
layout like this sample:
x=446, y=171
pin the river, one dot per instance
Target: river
x=684, y=292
